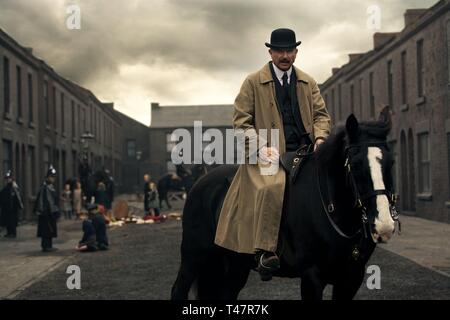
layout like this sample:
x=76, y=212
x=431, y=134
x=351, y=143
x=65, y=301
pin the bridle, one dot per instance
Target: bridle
x=360, y=199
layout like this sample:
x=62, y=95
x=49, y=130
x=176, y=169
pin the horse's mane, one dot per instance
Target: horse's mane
x=334, y=145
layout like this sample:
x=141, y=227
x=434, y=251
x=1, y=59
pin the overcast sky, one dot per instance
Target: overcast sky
x=177, y=52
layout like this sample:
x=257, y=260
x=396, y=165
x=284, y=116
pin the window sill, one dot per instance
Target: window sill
x=447, y=204
x=20, y=120
x=47, y=127
x=7, y=116
x=31, y=125
x=424, y=196
x=420, y=101
x=404, y=107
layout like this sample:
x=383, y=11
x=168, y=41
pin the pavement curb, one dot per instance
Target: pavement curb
x=33, y=280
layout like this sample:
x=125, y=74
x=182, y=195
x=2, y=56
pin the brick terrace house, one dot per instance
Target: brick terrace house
x=409, y=71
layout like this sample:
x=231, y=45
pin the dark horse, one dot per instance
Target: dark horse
x=339, y=207
x=182, y=181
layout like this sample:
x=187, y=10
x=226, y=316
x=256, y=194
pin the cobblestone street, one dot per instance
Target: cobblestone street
x=143, y=261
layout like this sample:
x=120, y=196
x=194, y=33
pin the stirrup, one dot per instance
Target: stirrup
x=266, y=267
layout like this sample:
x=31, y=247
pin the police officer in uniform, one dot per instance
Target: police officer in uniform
x=10, y=205
x=47, y=211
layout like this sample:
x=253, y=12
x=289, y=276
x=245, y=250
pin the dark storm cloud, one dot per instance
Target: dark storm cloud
x=188, y=51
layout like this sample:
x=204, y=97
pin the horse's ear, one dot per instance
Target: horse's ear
x=385, y=116
x=352, y=126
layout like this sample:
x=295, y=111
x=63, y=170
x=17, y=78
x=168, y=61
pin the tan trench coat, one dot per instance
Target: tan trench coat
x=251, y=213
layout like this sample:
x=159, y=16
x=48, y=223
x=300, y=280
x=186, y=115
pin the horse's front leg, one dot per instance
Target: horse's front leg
x=186, y=276
x=168, y=203
x=349, y=285
x=312, y=284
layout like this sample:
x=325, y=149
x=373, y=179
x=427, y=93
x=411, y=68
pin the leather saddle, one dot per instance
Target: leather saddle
x=291, y=161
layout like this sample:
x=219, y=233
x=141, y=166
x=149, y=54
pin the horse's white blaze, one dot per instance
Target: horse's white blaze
x=384, y=225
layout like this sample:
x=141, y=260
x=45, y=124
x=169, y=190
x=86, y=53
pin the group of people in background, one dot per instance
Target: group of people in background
x=49, y=207
x=71, y=200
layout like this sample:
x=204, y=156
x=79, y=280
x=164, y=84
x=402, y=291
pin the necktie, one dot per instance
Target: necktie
x=285, y=85
x=285, y=80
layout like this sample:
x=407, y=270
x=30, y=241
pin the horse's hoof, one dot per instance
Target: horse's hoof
x=265, y=276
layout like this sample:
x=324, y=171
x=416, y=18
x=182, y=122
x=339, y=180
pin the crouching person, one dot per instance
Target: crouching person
x=89, y=242
x=99, y=222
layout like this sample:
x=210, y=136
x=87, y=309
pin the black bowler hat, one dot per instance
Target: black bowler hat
x=283, y=39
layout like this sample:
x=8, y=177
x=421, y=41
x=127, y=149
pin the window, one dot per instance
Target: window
x=333, y=103
x=390, y=81
x=30, y=98
x=63, y=127
x=47, y=158
x=100, y=129
x=94, y=130
x=105, y=132
x=84, y=120
x=92, y=120
x=131, y=148
x=80, y=129
x=448, y=156
x=19, y=92
x=32, y=170
x=404, y=80
x=6, y=97
x=420, y=70
x=46, y=104
x=54, y=107
x=361, y=108
x=7, y=156
x=340, y=102
x=448, y=49
x=352, y=99
x=393, y=149
x=371, y=96
x=63, y=166
x=424, y=163
x=72, y=106
x=74, y=164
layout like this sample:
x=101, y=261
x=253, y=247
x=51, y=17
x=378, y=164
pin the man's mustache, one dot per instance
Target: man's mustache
x=285, y=61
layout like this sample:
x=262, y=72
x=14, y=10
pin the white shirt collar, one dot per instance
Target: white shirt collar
x=279, y=73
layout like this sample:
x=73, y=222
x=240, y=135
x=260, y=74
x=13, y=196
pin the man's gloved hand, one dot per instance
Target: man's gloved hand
x=269, y=155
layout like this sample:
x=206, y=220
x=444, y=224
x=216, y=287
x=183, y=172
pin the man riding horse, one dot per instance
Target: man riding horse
x=279, y=96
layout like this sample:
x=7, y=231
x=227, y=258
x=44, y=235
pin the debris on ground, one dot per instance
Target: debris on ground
x=121, y=210
x=174, y=216
x=116, y=223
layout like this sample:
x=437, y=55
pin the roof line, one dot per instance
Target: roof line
x=372, y=55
